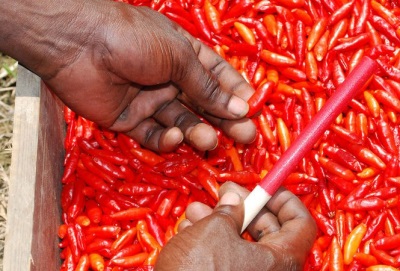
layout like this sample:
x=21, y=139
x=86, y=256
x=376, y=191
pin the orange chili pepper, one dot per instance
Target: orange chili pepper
x=283, y=134
x=321, y=47
x=316, y=32
x=337, y=169
x=361, y=125
x=272, y=75
x=372, y=104
x=212, y=16
x=130, y=261
x=123, y=239
x=96, y=261
x=270, y=23
x=311, y=67
x=335, y=256
x=147, y=156
x=385, y=13
x=353, y=241
x=266, y=131
x=209, y=183
x=246, y=33
x=381, y=267
x=83, y=264
x=152, y=258
x=277, y=59
x=233, y=154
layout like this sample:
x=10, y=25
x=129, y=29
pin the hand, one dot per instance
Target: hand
x=132, y=70
x=210, y=239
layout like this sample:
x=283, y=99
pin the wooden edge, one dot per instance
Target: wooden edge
x=33, y=213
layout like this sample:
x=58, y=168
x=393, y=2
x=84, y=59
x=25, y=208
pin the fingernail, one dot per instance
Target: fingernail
x=238, y=106
x=230, y=198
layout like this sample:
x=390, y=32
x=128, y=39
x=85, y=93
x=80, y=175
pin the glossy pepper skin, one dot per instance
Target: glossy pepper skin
x=294, y=54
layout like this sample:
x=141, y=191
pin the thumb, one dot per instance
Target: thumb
x=231, y=207
x=210, y=84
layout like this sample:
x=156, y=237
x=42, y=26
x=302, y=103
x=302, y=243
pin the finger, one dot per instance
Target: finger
x=153, y=136
x=265, y=222
x=297, y=226
x=142, y=106
x=201, y=136
x=184, y=224
x=231, y=205
x=242, y=131
x=197, y=211
x=286, y=206
x=210, y=82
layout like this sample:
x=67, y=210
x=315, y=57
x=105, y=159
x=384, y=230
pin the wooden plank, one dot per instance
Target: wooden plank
x=33, y=213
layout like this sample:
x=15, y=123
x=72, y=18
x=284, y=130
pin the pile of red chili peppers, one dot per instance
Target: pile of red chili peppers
x=121, y=203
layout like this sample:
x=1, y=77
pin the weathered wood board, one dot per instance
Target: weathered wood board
x=33, y=213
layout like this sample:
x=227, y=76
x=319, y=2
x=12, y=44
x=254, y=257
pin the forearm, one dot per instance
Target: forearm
x=38, y=33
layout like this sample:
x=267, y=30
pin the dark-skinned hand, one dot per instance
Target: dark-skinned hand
x=129, y=69
x=210, y=239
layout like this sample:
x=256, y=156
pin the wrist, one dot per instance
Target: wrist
x=44, y=35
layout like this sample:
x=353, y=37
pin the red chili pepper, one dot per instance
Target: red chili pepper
x=238, y=8
x=340, y=13
x=324, y=224
x=129, y=250
x=200, y=22
x=260, y=96
x=148, y=242
x=130, y=261
x=93, y=180
x=385, y=28
x=106, y=201
x=73, y=243
x=71, y=163
x=113, y=157
x=104, y=231
x=375, y=225
x=337, y=169
x=155, y=228
x=240, y=177
x=99, y=137
x=147, y=156
x=317, y=31
x=167, y=203
x=165, y=182
x=89, y=165
x=346, y=135
x=385, y=13
x=99, y=245
x=352, y=43
x=385, y=134
x=83, y=263
x=387, y=99
x=311, y=68
x=371, y=203
x=77, y=201
x=131, y=214
x=388, y=242
x=382, y=256
x=180, y=205
x=209, y=183
x=365, y=259
x=123, y=240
